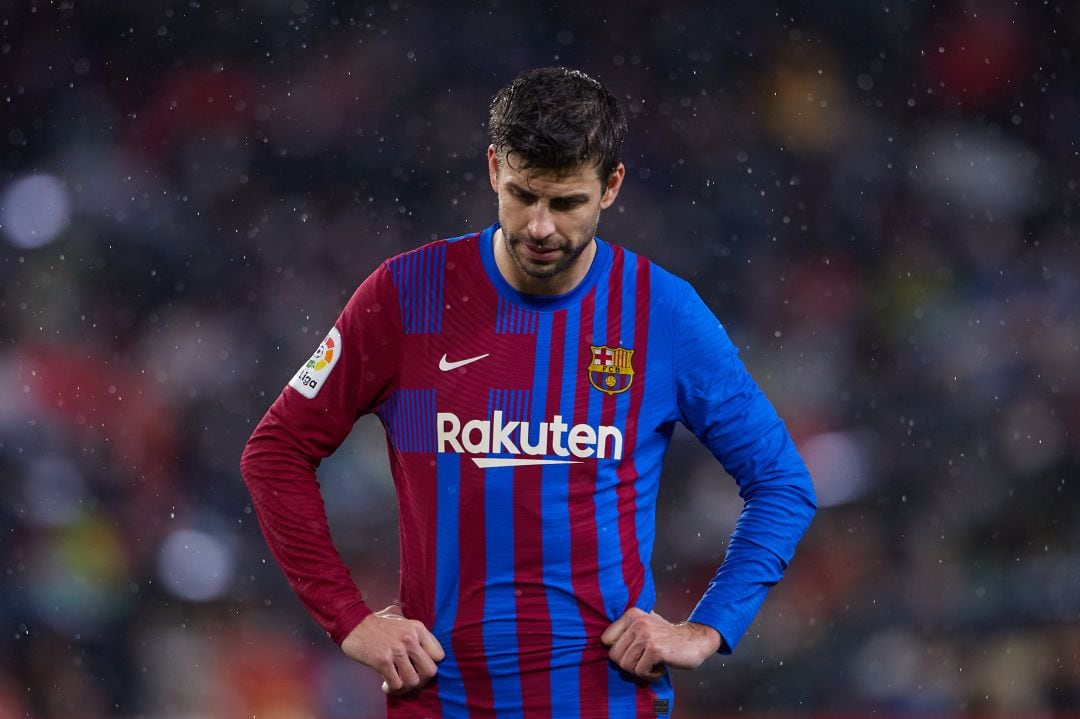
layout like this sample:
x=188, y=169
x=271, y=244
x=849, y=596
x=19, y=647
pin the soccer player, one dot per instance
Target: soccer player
x=529, y=377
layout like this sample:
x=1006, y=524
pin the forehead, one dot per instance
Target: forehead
x=541, y=180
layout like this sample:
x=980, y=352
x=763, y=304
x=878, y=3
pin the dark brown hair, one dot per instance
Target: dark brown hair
x=555, y=118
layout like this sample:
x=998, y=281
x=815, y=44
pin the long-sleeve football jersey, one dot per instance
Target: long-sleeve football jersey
x=526, y=436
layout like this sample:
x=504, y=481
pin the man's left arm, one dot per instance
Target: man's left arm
x=723, y=406
x=727, y=411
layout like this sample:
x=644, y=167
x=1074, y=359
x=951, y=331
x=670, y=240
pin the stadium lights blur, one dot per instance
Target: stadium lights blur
x=195, y=565
x=34, y=210
x=838, y=464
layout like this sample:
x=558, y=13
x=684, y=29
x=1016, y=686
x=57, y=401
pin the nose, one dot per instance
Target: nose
x=541, y=224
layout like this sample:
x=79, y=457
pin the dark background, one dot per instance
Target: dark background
x=877, y=199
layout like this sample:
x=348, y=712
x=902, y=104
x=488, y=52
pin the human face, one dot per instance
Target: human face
x=547, y=222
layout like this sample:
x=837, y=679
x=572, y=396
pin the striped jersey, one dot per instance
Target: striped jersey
x=526, y=436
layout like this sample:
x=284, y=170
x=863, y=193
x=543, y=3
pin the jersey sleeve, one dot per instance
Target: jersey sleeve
x=723, y=406
x=351, y=373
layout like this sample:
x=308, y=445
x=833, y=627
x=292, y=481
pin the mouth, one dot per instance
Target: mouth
x=539, y=252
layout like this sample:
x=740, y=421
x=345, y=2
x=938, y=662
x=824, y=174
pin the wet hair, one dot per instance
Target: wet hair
x=557, y=119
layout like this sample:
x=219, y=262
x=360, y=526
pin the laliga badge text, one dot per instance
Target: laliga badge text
x=310, y=378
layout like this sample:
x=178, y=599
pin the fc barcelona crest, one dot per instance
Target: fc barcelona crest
x=611, y=370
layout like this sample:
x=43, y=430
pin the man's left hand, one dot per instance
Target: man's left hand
x=642, y=644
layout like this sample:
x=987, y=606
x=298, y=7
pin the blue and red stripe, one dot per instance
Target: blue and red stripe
x=534, y=621
x=607, y=330
x=566, y=621
x=584, y=556
x=467, y=635
x=500, y=614
x=635, y=552
x=635, y=558
x=622, y=689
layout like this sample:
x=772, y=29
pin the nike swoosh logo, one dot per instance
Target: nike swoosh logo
x=447, y=366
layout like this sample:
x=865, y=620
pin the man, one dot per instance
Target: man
x=529, y=377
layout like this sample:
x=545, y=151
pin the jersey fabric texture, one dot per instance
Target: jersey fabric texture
x=526, y=436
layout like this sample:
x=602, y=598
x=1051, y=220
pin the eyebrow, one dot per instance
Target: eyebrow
x=572, y=197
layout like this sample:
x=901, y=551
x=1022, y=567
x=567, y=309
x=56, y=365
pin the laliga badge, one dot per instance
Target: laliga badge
x=311, y=377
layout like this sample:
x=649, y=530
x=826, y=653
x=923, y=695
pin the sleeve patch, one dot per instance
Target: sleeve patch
x=310, y=378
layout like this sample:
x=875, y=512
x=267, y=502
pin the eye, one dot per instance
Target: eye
x=565, y=204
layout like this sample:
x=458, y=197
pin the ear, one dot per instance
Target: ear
x=493, y=168
x=611, y=189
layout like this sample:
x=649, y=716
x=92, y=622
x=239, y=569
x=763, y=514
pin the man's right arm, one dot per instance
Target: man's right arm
x=352, y=373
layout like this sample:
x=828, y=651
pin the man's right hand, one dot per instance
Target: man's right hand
x=402, y=650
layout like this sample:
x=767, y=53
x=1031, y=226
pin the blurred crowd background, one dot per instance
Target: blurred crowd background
x=879, y=201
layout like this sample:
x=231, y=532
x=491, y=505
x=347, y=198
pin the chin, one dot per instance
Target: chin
x=537, y=271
